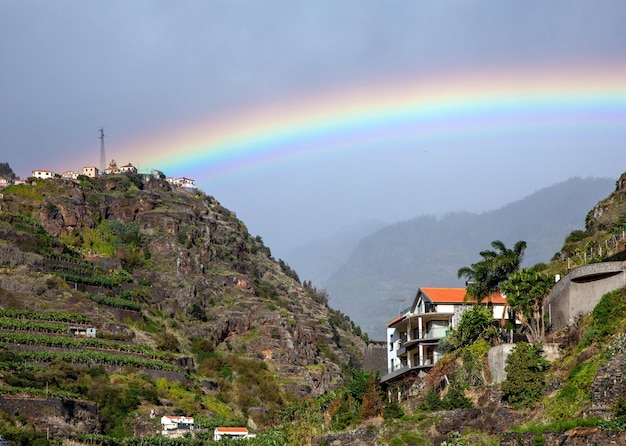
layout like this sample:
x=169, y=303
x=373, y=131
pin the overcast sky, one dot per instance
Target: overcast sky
x=144, y=69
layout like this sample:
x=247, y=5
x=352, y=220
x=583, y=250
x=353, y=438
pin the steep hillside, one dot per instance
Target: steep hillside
x=386, y=268
x=187, y=306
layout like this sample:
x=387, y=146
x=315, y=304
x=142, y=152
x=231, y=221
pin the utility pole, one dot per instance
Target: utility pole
x=103, y=158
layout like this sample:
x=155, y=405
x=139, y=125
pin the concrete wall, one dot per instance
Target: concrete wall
x=580, y=291
x=497, y=360
x=498, y=354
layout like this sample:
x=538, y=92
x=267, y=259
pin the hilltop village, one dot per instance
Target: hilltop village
x=94, y=172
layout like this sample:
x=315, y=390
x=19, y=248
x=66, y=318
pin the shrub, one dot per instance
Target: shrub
x=392, y=410
x=606, y=316
x=525, y=369
x=475, y=324
x=168, y=342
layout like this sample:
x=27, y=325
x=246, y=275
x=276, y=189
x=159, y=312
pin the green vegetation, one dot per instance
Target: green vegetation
x=484, y=277
x=475, y=324
x=115, y=302
x=94, y=357
x=607, y=317
x=526, y=292
x=79, y=342
x=525, y=369
x=337, y=410
x=20, y=324
x=575, y=394
x=58, y=316
x=454, y=398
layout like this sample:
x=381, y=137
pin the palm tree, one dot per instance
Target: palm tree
x=484, y=277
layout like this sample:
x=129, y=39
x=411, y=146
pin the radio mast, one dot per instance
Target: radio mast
x=103, y=158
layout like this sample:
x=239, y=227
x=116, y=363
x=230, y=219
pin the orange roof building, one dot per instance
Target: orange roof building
x=413, y=337
x=231, y=432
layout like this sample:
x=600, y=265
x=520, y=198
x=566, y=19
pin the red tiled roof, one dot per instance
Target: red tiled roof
x=232, y=429
x=457, y=296
x=398, y=319
x=178, y=418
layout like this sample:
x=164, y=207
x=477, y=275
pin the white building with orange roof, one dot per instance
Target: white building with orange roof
x=43, y=174
x=413, y=337
x=231, y=432
x=128, y=168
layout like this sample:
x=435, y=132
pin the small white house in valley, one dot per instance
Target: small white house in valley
x=176, y=426
x=231, y=432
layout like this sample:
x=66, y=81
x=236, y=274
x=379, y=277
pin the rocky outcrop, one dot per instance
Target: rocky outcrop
x=365, y=435
x=60, y=417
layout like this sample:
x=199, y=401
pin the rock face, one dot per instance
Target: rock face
x=363, y=436
x=61, y=417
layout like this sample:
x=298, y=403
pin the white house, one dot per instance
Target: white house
x=69, y=175
x=88, y=332
x=182, y=182
x=413, y=337
x=174, y=425
x=43, y=174
x=128, y=168
x=231, y=432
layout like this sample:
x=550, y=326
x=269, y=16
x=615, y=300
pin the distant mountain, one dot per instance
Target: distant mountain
x=385, y=269
x=318, y=260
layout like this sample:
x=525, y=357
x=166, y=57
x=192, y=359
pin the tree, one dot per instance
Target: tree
x=526, y=292
x=484, y=277
x=525, y=369
x=475, y=324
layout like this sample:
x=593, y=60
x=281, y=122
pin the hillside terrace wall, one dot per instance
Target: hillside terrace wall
x=580, y=291
x=609, y=383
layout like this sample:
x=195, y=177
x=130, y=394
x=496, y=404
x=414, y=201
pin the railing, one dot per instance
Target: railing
x=596, y=251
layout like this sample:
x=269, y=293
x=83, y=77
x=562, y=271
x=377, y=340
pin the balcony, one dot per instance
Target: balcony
x=403, y=369
x=431, y=337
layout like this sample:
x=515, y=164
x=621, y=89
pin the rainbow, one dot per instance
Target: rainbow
x=454, y=111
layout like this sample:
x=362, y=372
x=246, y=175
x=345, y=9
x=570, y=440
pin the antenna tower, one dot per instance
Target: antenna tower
x=103, y=158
